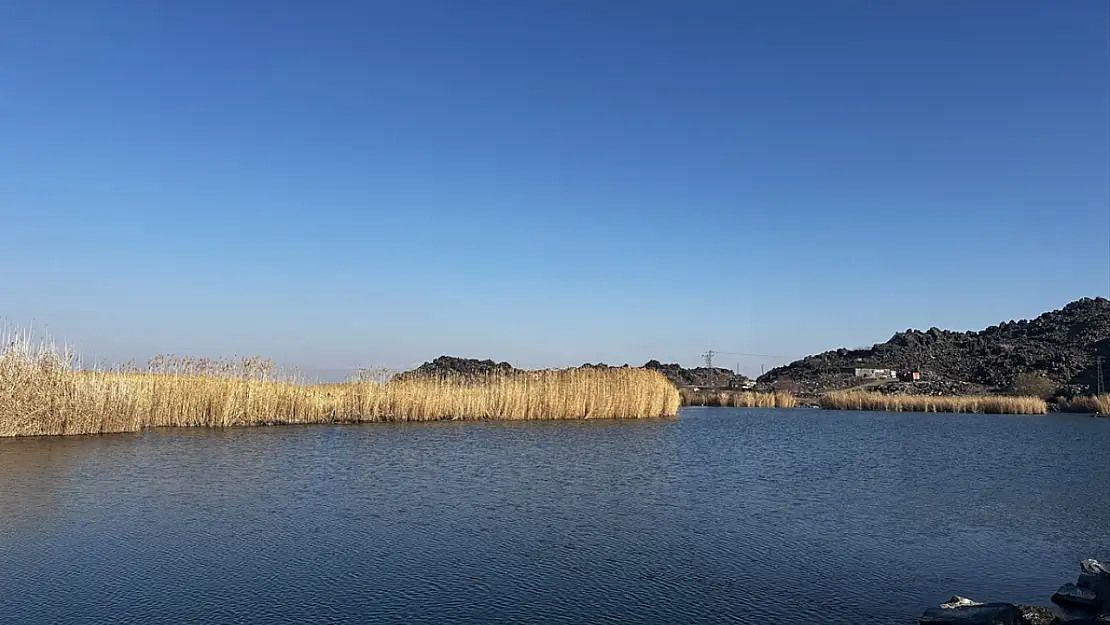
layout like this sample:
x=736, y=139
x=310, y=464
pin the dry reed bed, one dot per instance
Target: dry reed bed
x=44, y=392
x=746, y=399
x=862, y=400
x=1098, y=404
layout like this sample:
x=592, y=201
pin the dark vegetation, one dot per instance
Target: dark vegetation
x=450, y=366
x=1054, y=354
x=717, y=377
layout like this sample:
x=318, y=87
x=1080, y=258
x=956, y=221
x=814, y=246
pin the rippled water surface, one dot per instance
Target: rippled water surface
x=724, y=515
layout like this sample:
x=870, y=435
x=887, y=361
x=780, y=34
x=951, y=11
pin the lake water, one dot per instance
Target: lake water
x=723, y=515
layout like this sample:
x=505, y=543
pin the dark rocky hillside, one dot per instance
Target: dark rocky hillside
x=1058, y=347
x=450, y=366
x=698, y=376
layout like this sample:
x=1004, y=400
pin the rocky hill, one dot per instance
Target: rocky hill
x=1059, y=348
x=698, y=376
x=450, y=366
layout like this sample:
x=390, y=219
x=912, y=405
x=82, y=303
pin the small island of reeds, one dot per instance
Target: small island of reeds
x=989, y=404
x=1095, y=404
x=44, y=391
x=737, y=399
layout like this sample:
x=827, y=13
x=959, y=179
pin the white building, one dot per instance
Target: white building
x=875, y=374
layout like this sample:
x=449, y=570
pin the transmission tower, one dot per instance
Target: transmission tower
x=708, y=356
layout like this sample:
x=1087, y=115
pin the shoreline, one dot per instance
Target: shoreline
x=1086, y=602
x=864, y=401
x=43, y=391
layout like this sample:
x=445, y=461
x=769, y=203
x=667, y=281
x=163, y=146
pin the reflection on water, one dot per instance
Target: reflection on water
x=42, y=476
x=748, y=516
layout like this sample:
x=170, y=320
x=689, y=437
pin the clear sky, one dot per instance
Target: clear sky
x=346, y=183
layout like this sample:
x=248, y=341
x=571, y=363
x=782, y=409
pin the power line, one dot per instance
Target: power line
x=707, y=357
x=743, y=354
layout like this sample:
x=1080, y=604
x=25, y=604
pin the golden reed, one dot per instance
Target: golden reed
x=746, y=399
x=43, y=391
x=1098, y=404
x=862, y=400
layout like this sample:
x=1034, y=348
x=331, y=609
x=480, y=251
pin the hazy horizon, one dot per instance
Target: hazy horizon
x=752, y=365
x=355, y=184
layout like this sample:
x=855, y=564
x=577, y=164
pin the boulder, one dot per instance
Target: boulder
x=1096, y=577
x=1038, y=615
x=1099, y=584
x=1078, y=616
x=959, y=602
x=981, y=614
x=1092, y=581
x=1071, y=595
x=1094, y=567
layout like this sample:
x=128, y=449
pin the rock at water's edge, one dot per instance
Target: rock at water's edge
x=1072, y=595
x=1038, y=615
x=982, y=614
x=1094, y=567
x=959, y=602
x=1099, y=584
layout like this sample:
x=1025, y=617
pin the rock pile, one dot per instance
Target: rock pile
x=697, y=376
x=1060, y=347
x=450, y=366
x=1086, y=602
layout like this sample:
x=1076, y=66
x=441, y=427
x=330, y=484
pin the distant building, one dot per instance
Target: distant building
x=913, y=375
x=872, y=373
x=745, y=385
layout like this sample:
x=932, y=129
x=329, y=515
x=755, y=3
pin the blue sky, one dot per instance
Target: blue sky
x=338, y=184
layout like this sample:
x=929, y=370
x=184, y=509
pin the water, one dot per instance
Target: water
x=724, y=515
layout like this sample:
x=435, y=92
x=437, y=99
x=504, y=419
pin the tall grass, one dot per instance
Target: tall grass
x=746, y=399
x=862, y=400
x=43, y=391
x=1099, y=404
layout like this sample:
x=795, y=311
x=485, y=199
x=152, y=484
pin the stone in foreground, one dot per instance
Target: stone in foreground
x=1096, y=576
x=982, y=614
x=1094, y=567
x=1072, y=595
x=1098, y=584
x=1038, y=615
x=959, y=602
